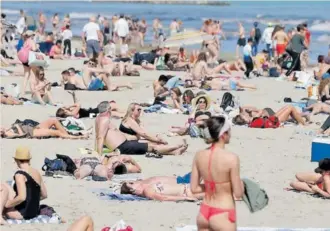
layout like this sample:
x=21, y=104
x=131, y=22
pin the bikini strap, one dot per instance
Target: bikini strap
x=209, y=169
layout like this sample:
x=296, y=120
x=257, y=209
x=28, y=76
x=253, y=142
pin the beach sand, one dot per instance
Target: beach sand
x=270, y=157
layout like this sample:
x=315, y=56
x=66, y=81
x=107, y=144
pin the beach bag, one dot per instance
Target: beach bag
x=38, y=59
x=23, y=55
x=227, y=100
x=194, y=131
x=265, y=122
x=70, y=165
x=54, y=165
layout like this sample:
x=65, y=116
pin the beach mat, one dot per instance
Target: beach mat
x=41, y=219
x=194, y=228
x=120, y=197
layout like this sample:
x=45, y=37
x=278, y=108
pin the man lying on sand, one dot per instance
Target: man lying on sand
x=160, y=188
x=107, y=134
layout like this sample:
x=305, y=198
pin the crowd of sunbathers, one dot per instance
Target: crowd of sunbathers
x=212, y=121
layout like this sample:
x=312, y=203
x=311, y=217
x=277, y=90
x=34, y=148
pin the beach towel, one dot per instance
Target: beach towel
x=71, y=123
x=194, y=228
x=254, y=197
x=121, y=197
x=41, y=219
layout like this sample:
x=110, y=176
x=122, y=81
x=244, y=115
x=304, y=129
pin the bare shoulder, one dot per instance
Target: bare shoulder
x=231, y=157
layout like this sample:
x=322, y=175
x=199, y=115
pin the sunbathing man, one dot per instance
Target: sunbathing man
x=247, y=114
x=317, y=108
x=49, y=128
x=107, y=134
x=74, y=79
x=161, y=189
x=9, y=100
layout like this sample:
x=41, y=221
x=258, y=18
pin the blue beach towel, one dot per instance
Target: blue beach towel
x=121, y=197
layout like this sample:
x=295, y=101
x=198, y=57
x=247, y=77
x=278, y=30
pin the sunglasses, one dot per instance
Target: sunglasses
x=202, y=101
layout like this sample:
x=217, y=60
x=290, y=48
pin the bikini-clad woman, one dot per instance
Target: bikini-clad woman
x=220, y=171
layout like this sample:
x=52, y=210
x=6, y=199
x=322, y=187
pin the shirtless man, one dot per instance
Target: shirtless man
x=174, y=27
x=161, y=189
x=72, y=78
x=156, y=27
x=282, y=40
x=42, y=23
x=317, y=108
x=241, y=42
x=93, y=82
x=107, y=134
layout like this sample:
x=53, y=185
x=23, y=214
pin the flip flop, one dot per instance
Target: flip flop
x=154, y=155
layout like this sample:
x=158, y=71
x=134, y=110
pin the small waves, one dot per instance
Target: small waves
x=323, y=39
x=321, y=26
x=10, y=12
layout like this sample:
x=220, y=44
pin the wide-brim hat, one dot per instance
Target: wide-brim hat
x=22, y=153
x=324, y=165
x=196, y=99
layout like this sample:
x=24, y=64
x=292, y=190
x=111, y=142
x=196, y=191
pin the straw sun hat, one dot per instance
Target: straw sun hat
x=196, y=99
x=22, y=153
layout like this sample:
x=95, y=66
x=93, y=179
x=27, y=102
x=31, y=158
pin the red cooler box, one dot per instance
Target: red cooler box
x=320, y=149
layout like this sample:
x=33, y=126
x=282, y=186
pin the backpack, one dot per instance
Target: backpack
x=54, y=165
x=265, y=122
x=70, y=165
x=227, y=100
x=257, y=34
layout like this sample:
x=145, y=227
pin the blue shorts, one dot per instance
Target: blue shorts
x=93, y=47
x=96, y=84
x=232, y=85
x=173, y=82
x=183, y=179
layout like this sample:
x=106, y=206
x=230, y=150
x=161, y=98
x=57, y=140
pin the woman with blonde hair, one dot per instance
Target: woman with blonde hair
x=324, y=90
x=23, y=200
x=131, y=125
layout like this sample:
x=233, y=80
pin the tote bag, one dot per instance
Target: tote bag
x=38, y=59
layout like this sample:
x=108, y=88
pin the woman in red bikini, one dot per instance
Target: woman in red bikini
x=220, y=171
x=315, y=183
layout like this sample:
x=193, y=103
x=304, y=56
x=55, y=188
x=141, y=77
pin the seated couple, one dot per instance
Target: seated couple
x=31, y=129
x=315, y=183
x=107, y=134
x=77, y=111
x=22, y=201
x=92, y=79
x=103, y=168
x=286, y=113
x=162, y=188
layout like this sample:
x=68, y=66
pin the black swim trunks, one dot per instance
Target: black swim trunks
x=241, y=42
x=133, y=147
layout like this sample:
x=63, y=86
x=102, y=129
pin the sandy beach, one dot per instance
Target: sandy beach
x=270, y=157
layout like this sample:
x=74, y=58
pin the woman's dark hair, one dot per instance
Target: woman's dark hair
x=320, y=58
x=125, y=189
x=238, y=120
x=202, y=57
x=120, y=169
x=61, y=113
x=177, y=91
x=200, y=99
x=188, y=93
x=214, y=124
x=58, y=42
x=167, y=57
x=65, y=72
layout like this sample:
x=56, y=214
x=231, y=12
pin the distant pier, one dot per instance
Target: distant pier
x=178, y=2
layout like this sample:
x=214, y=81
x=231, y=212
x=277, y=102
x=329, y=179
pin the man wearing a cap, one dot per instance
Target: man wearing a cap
x=267, y=38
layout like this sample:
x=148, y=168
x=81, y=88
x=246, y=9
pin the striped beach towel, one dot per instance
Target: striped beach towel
x=41, y=219
x=194, y=228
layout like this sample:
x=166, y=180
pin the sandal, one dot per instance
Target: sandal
x=154, y=155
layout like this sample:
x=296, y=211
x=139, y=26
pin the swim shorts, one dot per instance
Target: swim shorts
x=183, y=179
x=232, y=85
x=93, y=47
x=280, y=48
x=326, y=76
x=133, y=147
x=241, y=42
x=96, y=84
